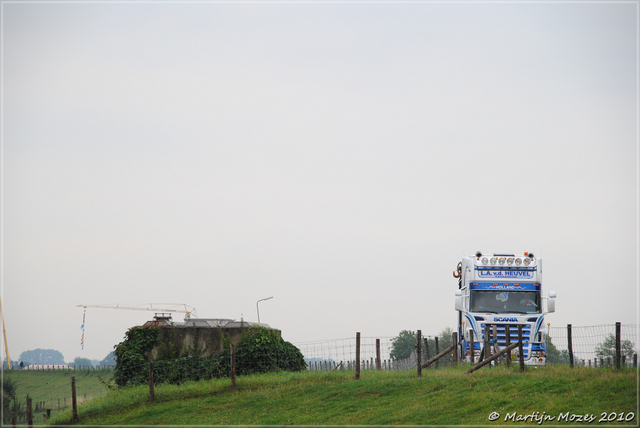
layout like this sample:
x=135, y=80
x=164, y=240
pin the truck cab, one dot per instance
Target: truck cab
x=500, y=292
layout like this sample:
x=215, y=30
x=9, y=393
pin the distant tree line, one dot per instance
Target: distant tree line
x=51, y=356
x=404, y=344
x=406, y=341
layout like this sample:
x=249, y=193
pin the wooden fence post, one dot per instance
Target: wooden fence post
x=378, y=362
x=357, y=355
x=437, y=357
x=472, y=344
x=151, y=391
x=74, y=403
x=618, y=350
x=570, y=345
x=520, y=348
x=29, y=412
x=426, y=348
x=454, y=339
x=419, y=360
x=507, y=335
x=493, y=357
x=487, y=351
x=233, y=366
x=435, y=339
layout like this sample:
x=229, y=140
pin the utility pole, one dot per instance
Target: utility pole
x=258, y=310
x=4, y=332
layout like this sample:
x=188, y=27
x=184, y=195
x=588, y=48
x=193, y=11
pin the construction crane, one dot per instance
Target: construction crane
x=157, y=307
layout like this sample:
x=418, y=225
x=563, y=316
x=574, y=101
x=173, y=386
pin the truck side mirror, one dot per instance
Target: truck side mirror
x=551, y=302
x=458, y=300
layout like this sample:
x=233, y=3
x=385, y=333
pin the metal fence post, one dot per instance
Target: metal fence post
x=570, y=345
x=357, y=355
x=419, y=346
x=618, y=350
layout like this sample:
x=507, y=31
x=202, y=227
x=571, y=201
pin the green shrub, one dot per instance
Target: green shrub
x=132, y=356
x=259, y=351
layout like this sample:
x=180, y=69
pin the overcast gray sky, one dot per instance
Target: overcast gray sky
x=341, y=157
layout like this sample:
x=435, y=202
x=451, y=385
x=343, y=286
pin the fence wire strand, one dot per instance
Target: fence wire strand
x=588, y=343
x=587, y=340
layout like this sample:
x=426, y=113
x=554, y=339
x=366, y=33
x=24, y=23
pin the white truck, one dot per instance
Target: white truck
x=502, y=290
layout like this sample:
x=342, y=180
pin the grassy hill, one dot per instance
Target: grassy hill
x=52, y=388
x=440, y=397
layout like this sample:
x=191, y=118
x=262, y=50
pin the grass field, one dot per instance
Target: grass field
x=52, y=388
x=551, y=395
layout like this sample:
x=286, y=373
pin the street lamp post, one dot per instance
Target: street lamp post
x=258, y=310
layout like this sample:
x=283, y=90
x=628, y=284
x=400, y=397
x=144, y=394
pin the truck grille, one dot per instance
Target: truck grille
x=501, y=334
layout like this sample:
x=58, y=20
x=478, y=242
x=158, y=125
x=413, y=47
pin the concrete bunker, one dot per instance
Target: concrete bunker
x=198, y=336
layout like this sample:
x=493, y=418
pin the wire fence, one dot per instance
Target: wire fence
x=340, y=354
x=591, y=345
x=335, y=354
x=595, y=344
x=588, y=342
x=50, y=391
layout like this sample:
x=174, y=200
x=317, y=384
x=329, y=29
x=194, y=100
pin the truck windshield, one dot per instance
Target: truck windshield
x=501, y=302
